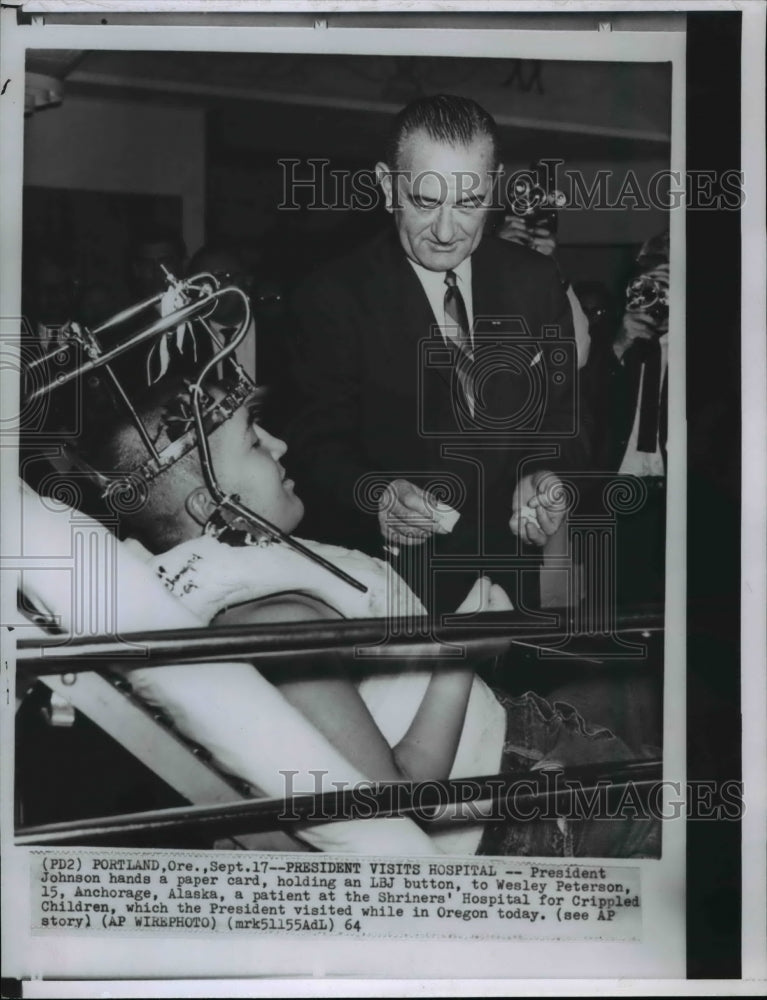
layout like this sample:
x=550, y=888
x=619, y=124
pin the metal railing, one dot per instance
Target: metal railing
x=424, y=801
x=363, y=641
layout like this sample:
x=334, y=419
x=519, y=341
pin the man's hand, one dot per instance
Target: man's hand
x=408, y=515
x=634, y=326
x=538, y=507
x=516, y=230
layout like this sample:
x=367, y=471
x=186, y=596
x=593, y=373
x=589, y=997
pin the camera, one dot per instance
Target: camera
x=533, y=197
x=645, y=294
x=515, y=377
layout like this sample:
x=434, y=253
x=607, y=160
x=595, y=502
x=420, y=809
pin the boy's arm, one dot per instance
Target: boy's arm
x=332, y=703
x=328, y=698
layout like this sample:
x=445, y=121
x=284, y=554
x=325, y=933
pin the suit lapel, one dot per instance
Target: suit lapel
x=494, y=300
x=485, y=291
x=402, y=320
x=405, y=316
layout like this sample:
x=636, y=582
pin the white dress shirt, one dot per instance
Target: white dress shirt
x=433, y=283
x=642, y=463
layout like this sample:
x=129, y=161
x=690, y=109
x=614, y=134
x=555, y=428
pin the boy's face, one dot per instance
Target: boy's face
x=246, y=461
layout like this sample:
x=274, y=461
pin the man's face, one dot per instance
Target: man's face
x=246, y=461
x=439, y=196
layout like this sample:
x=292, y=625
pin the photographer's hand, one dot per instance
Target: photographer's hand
x=639, y=324
x=660, y=275
x=539, y=238
x=516, y=230
x=635, y=326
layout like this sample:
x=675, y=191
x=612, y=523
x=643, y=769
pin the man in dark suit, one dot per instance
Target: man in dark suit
x=437, y=364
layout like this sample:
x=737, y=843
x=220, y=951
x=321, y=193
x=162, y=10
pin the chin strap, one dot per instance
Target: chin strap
x=224, y=531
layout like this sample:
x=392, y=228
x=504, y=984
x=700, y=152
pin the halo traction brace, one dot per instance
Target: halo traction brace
x=196, y=298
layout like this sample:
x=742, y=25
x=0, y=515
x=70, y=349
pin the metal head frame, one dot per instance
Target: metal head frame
x=191, y=300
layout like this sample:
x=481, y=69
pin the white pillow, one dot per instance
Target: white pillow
x=72, y=567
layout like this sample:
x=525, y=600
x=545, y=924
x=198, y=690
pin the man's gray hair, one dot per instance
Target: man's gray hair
x=446, y=118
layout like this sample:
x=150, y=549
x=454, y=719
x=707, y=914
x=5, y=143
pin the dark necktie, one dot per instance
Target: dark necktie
x=457, y=317
x=649, y=410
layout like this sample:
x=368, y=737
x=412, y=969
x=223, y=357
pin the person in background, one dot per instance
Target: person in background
x=598, y=303
x=153, y=249
x=638, y=423
x=49, y=294
x=543, y=240
x=96, y=303
x=226, y=266
x=628, y=378
x=269, y=300
x=603, y=315
x=539, y=235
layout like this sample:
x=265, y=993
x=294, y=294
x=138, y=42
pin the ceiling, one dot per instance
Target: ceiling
x=340, y=105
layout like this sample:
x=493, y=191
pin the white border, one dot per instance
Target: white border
x=393, y=988
x=663, y=948
x=363, y=6
x=543, y=45
x=754, y=493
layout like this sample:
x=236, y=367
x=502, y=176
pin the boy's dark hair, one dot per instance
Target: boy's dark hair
x=118, y=448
